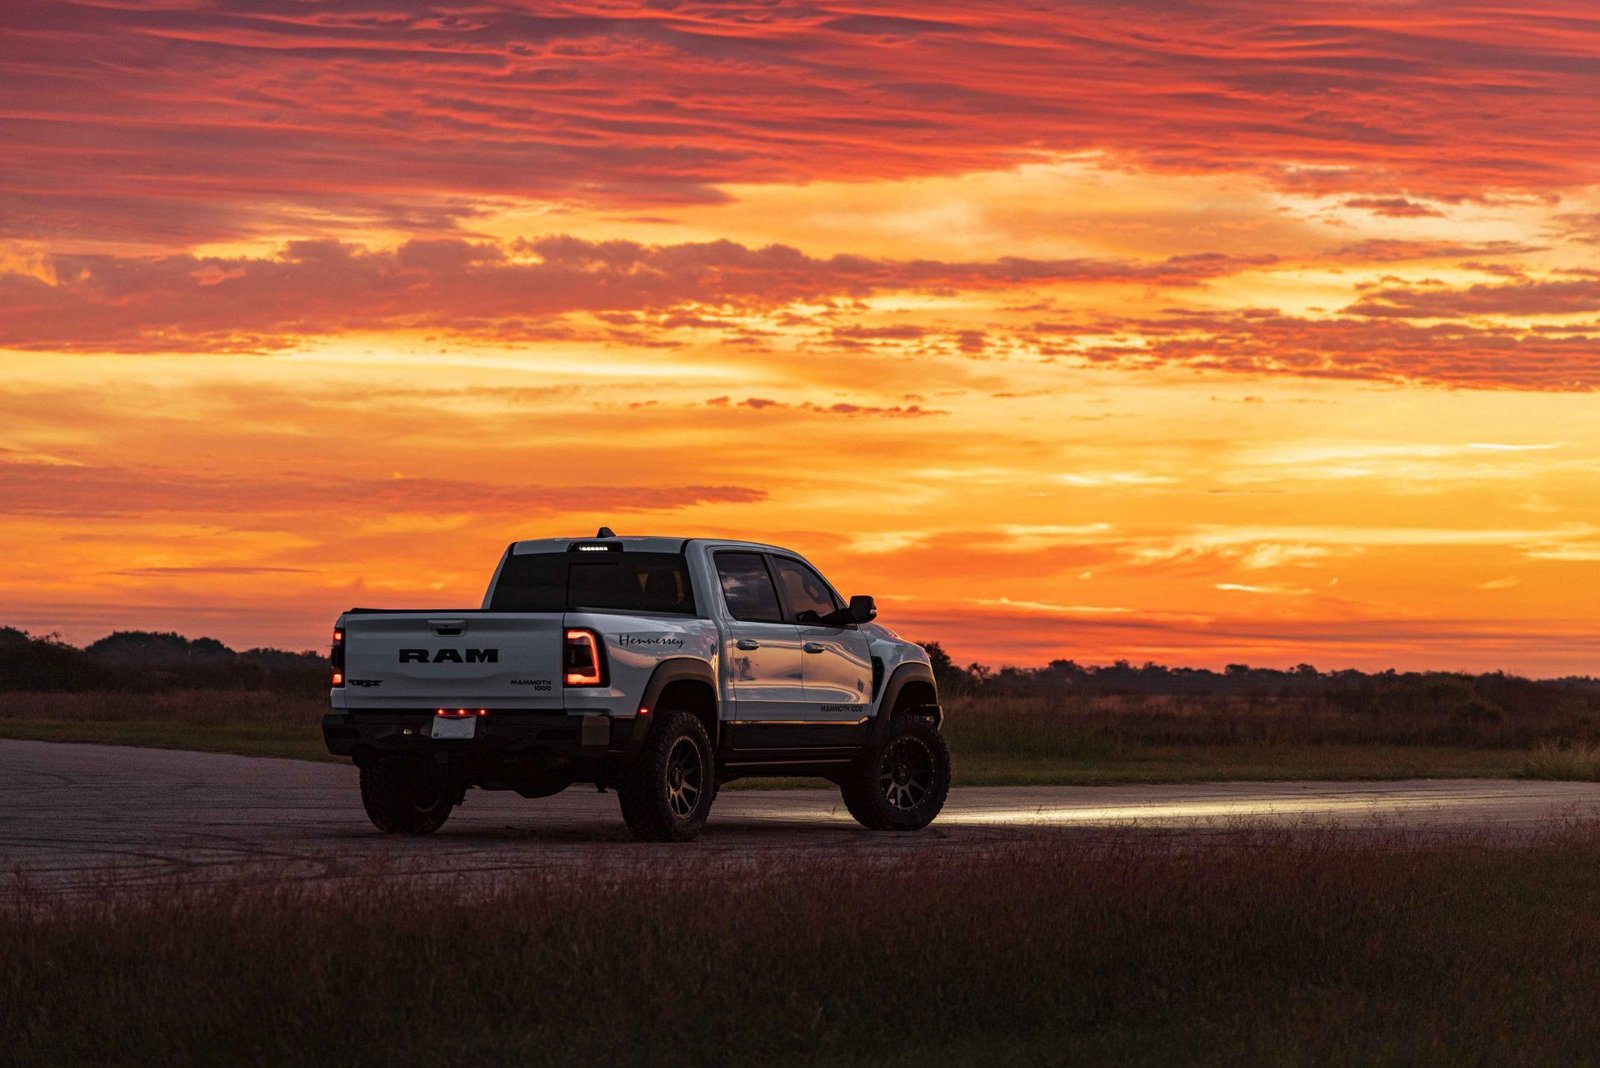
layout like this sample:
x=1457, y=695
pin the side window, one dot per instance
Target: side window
x=803, y=589
x=747, y=588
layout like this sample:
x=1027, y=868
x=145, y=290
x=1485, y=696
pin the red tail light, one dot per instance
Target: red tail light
x=582, y=663
x=336, y=656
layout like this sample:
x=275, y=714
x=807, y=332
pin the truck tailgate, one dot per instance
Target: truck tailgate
x=492, y=660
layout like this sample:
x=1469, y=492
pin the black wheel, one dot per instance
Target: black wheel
x=402, y=799
x=901, y=783
x=666, y=793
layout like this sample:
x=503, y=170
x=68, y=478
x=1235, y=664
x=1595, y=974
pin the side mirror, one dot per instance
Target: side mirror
x=861, y=609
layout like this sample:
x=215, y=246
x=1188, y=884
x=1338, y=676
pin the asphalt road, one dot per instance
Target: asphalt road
x=77, y=816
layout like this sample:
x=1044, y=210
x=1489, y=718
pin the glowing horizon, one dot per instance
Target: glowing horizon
x=1231, y=334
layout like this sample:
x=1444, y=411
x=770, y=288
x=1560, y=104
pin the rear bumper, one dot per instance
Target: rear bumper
x=538, y=738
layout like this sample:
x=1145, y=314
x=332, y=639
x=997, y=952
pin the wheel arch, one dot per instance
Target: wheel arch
x=911, y=690
x=680, y=683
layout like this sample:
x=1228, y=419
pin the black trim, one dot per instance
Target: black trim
x=912, y=672
x=550, y=734
x=823, y=762
x=674, y=669
x=764, y=736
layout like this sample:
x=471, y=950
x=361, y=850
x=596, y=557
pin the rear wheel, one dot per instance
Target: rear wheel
x=666, y=793
x=401, y=798
x=902, y=782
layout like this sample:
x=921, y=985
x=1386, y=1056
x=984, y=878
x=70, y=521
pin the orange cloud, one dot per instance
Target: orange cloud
x=190, y=303
x=1564, y=296
x=33, y=489
x=1207, y=332
x=1394, y=207
x=1371, y=343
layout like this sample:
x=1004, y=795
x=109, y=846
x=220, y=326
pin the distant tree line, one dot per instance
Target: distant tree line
x=1466, y=697
x=148, y=661
x=138, y=661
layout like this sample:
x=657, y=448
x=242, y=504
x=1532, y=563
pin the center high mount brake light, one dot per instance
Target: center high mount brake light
x=458, y=712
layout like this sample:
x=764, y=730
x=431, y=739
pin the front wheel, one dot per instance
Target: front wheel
x=666, y=793
x=401, y=798
x=902, y=782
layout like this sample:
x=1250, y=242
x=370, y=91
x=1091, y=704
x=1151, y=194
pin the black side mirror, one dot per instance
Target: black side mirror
x=861, y=609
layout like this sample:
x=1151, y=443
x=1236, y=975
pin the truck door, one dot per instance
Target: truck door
x=836, y=662
x=762, y=652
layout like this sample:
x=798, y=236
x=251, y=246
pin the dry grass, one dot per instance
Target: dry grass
x=1094, y=726
x=997, y=741
x=192, y=707
x=1552, y=760
x=1262, y=949
x=246, y=722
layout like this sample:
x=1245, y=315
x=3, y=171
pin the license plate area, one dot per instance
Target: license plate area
x=455, y=727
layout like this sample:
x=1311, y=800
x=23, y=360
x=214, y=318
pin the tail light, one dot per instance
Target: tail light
x=582, y=662
x=336, y=656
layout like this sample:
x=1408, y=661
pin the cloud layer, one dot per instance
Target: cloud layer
x=186, y=122
x=1215, y=331
x=186, y=302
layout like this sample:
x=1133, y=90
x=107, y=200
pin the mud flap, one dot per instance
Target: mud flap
x=596, y=731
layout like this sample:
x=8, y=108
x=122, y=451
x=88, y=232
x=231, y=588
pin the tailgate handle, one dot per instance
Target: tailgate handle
x=447, y=628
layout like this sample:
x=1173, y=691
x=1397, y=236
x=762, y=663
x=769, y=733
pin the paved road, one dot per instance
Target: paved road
x=73, y=816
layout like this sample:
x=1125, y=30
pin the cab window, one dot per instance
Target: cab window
x=747, y=588
x=803, y=589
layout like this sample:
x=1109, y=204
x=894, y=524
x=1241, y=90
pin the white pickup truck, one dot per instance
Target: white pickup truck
x=658, y=667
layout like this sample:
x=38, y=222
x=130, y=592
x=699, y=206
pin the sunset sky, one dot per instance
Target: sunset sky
x=1203, y=333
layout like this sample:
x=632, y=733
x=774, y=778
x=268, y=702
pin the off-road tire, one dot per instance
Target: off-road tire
x=858, y=801
x=667, y=789
x=902, y=781
x=401, y=798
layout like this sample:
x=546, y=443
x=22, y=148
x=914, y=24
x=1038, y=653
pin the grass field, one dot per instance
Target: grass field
x=246, y=722
x=995, y=742
x=1261, y=949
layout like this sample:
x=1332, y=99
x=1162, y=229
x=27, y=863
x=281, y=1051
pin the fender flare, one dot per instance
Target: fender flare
x=914, y=671
x=674, y=669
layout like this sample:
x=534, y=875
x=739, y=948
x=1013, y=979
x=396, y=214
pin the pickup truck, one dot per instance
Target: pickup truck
x=659, y=668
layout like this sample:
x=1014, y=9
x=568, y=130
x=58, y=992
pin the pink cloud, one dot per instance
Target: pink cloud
x=173, y=124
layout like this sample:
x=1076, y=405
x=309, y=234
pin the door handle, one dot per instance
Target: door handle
x=815, y=647
x=747, y=643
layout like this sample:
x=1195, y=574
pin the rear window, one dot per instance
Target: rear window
x=612, y=581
